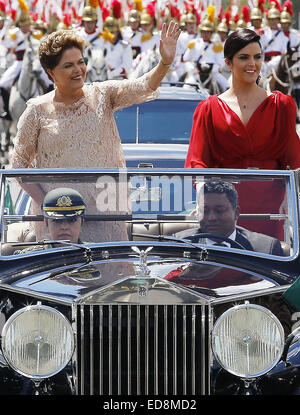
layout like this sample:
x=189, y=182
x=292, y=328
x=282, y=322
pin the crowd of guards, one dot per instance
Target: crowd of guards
x=127, y=37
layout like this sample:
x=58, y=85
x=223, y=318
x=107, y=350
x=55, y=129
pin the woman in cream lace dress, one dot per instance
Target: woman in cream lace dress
x=74, y=127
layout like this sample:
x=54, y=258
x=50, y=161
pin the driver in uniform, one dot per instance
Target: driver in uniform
x=63, y=210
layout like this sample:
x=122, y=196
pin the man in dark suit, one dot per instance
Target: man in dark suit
x=218, y=213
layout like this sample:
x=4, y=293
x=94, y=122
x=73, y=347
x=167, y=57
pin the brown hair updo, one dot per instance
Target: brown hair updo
x=53, y=46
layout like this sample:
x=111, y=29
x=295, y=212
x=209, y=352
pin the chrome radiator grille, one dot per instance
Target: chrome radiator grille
x=142, y=349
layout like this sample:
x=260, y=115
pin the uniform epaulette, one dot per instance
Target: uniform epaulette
x=191, y=44
x=37, y=34
x=217, y=47
x=144, y=38
x=12, y=33
x=107, y=36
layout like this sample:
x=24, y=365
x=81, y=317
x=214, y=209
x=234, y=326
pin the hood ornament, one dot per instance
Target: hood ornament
x=144, y=271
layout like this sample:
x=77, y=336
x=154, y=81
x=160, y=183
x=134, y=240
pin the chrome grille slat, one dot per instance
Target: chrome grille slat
x=129, y=349
x=138, y=350
x=146, y=350
x=175, y=349
x=110, y=350
x=91, y=350
x=119, y=349
x=100, y=350
x=184, y=349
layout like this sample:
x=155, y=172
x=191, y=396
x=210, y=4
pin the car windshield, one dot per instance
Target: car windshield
x=137, y=204
x=161, y=121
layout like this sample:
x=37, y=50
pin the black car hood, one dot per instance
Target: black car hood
x=120, y=281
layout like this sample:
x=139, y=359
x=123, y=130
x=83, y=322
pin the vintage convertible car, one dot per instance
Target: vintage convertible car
x=154, y=314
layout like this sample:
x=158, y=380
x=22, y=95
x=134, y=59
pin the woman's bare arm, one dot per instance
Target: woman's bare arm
x=167, y=49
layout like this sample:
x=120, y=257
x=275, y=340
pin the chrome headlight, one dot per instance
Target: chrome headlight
x=37, y=341
x=248, y=340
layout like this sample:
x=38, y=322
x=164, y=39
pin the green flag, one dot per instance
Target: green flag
x=8, y=203
x=292, y=294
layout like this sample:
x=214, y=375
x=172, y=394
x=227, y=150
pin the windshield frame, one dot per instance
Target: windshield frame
x=78, y=175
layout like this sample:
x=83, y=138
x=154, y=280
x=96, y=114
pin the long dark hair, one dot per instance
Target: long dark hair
x=238, y=40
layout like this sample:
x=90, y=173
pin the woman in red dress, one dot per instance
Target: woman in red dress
x=245, y=127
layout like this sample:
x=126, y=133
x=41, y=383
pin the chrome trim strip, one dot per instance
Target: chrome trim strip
x=77, y=359
x=209, y=356
x=82, y=348
x=193, y=349
x=251, y=294
x=138, y=353
x=110, y=349
x=155, y=350
x=91, y=350
x=166, y=349
x=119, y=349
x=129, y=349
x=100, y=349
x=175, y=349
x=147, y=350
x=203, y=340
x=184, y=333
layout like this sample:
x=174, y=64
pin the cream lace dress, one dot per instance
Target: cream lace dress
x=81, y=135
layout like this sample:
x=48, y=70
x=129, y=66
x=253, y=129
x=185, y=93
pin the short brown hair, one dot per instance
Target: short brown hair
x=53, y=46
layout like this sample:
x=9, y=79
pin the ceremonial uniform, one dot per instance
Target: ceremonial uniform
x=274, y=44
x=93, y=40
x=293, y=36
x=145, y=41
x=179, y=66
x=202, y=53
x=119, y=58
x=17, y=42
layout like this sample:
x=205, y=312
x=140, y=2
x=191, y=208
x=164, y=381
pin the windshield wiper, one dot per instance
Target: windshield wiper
x=53, y=242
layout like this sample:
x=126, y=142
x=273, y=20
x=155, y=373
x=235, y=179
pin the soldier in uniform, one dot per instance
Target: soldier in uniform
x=89, y=30
x=207, y=55
x=256, y=18
x=63, y=210
x=146, y=39
x=185, y=40
x=293, y=35
x=222, y=31
x=119, y=56
x=132, y=29
x=273, y=41
x=16, y=41
x=2, y=21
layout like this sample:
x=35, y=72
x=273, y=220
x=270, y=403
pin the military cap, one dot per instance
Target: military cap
x=63, y=203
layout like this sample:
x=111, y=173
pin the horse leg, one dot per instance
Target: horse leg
x=5, y=97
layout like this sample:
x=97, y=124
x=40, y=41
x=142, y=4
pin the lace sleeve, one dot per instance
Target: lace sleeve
x=25, y=142
x=128, y=92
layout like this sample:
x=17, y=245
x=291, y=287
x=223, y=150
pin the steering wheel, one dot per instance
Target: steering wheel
x=233, y=244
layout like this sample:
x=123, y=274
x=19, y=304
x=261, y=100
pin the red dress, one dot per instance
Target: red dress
x=269, y=140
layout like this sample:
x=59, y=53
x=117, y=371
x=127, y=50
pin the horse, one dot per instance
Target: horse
x=96, y=64
x=201, y=74
x=6, y=60
x=144, y=62
x=287, y=76
x=29, y=84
